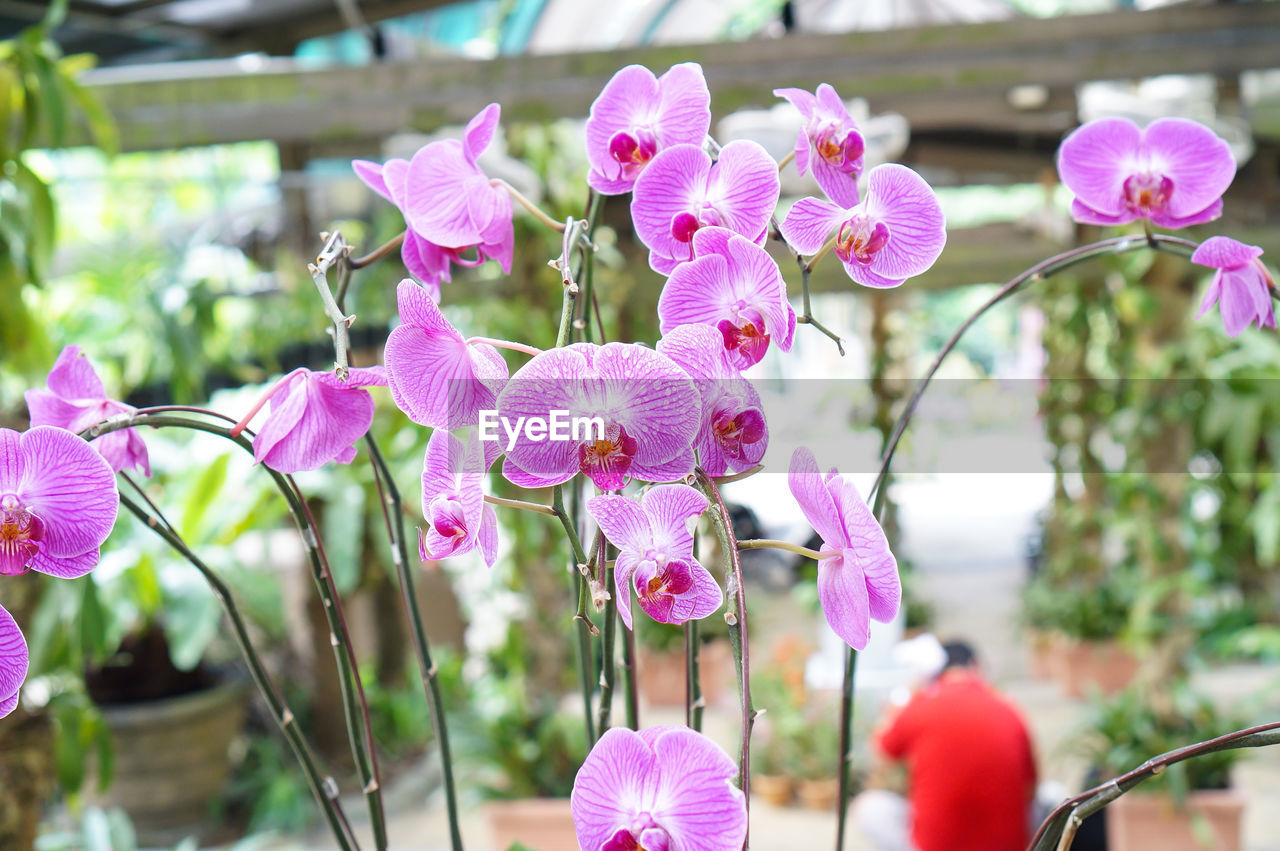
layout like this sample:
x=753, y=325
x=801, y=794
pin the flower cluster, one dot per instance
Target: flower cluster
x=1172, y=173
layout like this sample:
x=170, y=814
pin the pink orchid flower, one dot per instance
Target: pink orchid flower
x=314, y=418
x=733, y=434
x=453, y=498
x=665, y=788
x=58, y=502
x=682, y=191
x=647, y=405
x=475, y=227
x=1173, y=172
x=13, y=662
x=829, y=142
x=860, y=580
x=897, y=231
x=637, y=115
x=655, y=553
x=452, y=202
x=734, y=286
x=434, y=375
x=1241, y=286
x=76, y=400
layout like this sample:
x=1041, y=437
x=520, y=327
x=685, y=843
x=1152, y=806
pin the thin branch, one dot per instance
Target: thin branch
x=736, y=617
x=323, y=788
x=770, y=544
x=737, y=477
x=521, y=505
x=334, y=251
x=378, y=253
x=1090, y=801
x=392, y=513
x=533, y=208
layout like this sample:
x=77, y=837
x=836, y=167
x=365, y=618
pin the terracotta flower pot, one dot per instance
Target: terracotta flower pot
x=819, y=794
x=777, y=789
x=171, y=760
x=660, y=676
x=542, y=824
x=1103, y=665
x=1040, y=644
x=1136, y=822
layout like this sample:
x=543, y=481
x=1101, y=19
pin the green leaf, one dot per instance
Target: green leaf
x=191, y=623
x=343, y=532
x=56, y=14
x=202, y=494
x=102, y=126
x=93, y=624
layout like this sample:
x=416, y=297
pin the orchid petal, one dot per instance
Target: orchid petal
x=479, y=132
x=809, y=222
x=697, y=802
x=670, y=508
x=1093, y=163
x=902, y=199
x=1198, y=162
x=69, y=486
x=371, y=174
x=13, y=662
x=842, y=591
x=617, y=781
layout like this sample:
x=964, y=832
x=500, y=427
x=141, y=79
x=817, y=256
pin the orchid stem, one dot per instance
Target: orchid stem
x=629, y=667
x=589, y=303
x=822, y=252
x=378, y=253
x=389, y=498
x=504, y=344
x=533, y=208
x=608, y=664
x=243, y=422
x=521, y=505
x=846, y=743
x=353, y=703
x=584, y=624
x=807, y=318
x=736, y=617
x=785, y=161
x=737, y=477
x=323, y=788
x=334, y=251
x=770, y=544
x=693, y=702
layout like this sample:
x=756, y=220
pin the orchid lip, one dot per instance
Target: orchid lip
x=1147, y=192
x=860, y=238
x=607, y=462
x=20, y=535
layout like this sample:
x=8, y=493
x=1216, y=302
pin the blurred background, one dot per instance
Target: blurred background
x=1089, y=493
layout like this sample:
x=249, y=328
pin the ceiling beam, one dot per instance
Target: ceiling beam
x=942, y=78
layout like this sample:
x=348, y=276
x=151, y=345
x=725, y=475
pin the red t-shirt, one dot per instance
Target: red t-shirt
x=970, y=764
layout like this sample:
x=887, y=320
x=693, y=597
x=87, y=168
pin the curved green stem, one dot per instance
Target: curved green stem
x=355, y=707
x=736, y=617
x=323, y=788
x=393, y=515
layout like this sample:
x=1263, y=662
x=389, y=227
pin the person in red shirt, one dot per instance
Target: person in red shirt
x=971, y=770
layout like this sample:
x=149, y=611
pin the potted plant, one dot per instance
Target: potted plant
x=1190, y=805
x=1084, y=619
x=660, y=672
x=527, y=754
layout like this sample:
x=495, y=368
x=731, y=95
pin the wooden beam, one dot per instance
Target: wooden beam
x=945, y=77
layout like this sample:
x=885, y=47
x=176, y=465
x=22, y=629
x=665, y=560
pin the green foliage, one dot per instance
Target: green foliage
x=1084, y=609
x=39, y=101
x=1127, y=729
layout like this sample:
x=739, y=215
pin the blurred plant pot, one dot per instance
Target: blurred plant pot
x=1102, y=665
x=660, y=675
x=818, y=794
x=1136, y=822
x=26, y=777
x=541, y=824
x=1042, y=653
x=777, y=789
x=170, y=733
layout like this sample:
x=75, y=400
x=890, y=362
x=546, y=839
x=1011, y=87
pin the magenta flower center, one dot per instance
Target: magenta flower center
x=844, y=151
x=860, y=238
x=1147, y=192
x=657, y=576
x=647, y=839
x=447, y=517
x=685, y=225
x=745, y=335
x=633, y=148
x=735, y=431
x=20, y=535
x=607, y=461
